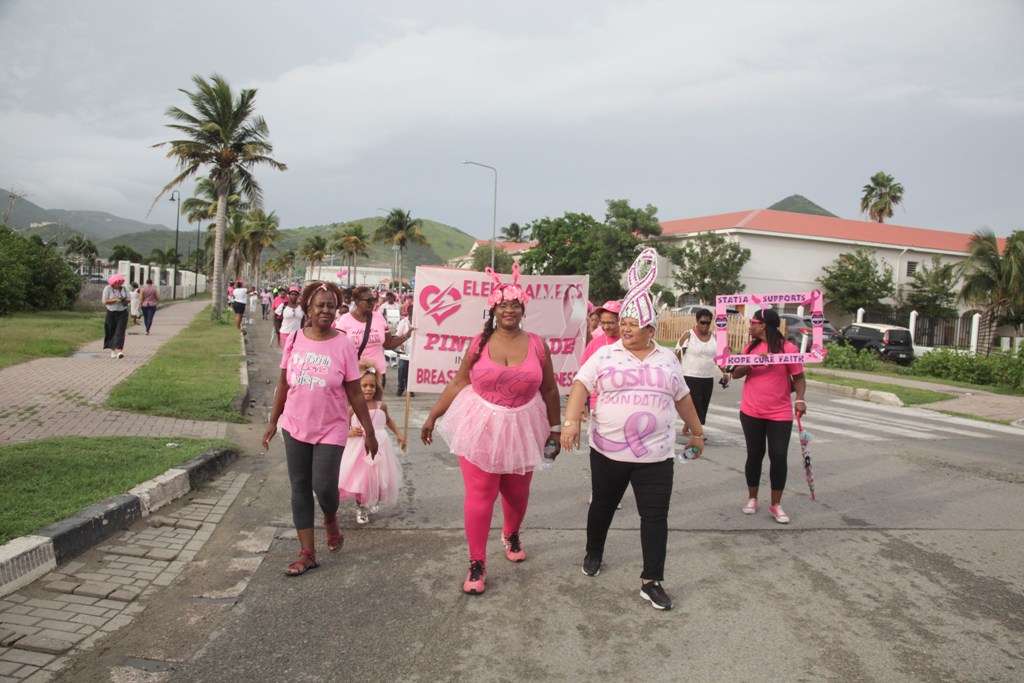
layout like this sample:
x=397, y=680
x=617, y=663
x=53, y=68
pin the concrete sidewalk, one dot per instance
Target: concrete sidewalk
x=967, y=401
x=64, y=396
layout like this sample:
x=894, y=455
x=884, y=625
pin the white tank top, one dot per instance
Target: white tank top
x=699, y=359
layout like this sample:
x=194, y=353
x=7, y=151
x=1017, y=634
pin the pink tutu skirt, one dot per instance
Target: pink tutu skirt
x=370, y=481
x=496, y=439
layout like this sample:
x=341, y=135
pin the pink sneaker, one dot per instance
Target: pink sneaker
x=474, y=583
x=513, y=547
x=778, y=513
x=751, y=507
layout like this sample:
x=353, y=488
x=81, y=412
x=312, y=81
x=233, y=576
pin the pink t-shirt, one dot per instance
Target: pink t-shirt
x=635, y=414
x=509, y=386
x=766, y=389
x=354, y=330
x=316, y=410
x=596, y=343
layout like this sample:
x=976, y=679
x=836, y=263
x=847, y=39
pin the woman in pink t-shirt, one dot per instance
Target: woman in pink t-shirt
x=499, y=411
x=319, y=380
x=766, y=413
x=378, y=337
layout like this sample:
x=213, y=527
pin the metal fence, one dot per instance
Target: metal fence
x=928, y=331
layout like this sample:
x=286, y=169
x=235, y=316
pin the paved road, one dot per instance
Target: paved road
x=909, y=567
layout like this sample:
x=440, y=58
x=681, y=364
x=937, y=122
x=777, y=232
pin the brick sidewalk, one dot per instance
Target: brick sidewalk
x=64, y=396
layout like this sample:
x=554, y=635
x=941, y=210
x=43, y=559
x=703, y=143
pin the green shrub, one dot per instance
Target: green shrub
x=998, y=369
x=34, y=276
x=848, y=358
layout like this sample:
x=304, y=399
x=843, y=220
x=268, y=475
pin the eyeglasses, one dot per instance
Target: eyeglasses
x=703, y=322
x=757, y=322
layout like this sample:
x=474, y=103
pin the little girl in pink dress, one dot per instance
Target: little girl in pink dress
x=371, y=482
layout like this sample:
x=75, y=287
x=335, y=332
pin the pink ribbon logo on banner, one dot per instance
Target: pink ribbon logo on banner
x=439, y=304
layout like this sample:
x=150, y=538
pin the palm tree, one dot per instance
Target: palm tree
x=315, y=249
x=122, y=252
x=263, y=231
x=236, y=244
x=353, y=242
x=164, y=258
x=226, y=134
x=514, y=233
x=399, y=229
x=881, y=196
x=993, y=282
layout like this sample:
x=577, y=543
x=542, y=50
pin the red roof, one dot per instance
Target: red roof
x=507, y=247
x=807, y=225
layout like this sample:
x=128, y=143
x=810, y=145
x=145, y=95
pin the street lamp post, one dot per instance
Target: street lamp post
x=494, y=218
x=176, y=197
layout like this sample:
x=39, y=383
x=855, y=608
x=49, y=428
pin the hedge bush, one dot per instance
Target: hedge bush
x=998, y=369
x=34, y=276
x=848, y=358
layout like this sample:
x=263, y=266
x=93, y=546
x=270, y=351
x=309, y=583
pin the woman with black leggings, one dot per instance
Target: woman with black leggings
x=766, y=413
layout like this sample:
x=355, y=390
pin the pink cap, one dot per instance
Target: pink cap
x=610, y=306
x=295, y=288
x=115, y=278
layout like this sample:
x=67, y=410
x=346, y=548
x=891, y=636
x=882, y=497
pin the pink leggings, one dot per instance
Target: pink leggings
x=481, y=490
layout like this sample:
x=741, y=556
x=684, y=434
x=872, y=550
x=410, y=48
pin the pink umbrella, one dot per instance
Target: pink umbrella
x=805, y=450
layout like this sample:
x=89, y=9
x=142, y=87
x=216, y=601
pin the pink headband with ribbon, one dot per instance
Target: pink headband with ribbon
x=506, y=292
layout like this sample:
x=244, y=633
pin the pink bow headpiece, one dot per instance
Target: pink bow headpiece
x=506, y=292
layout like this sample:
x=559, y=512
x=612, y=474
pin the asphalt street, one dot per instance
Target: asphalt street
x=908, y=567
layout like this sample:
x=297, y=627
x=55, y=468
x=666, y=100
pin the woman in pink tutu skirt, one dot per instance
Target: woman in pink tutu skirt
x=371, y=481
x=499, y=411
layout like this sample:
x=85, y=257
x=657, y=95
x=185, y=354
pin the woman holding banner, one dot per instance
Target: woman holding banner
x=766, y=413
x=640, y=391
x=499, y=411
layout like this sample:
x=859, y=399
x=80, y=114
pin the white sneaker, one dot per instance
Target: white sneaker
x=362, y=515
x=778, y=513
x=751, y=507
x=113, y=354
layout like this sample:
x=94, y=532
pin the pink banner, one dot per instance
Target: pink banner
x=450, y=307
x=815, y=354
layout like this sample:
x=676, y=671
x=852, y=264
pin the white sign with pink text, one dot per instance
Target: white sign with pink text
x=450, y=307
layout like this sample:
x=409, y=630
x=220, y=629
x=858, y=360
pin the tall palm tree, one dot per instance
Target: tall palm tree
x=263, y=230
x=352, y=241
x=881, y=196
x=236, y=244
x=992, y=281
x=399, y=229
x=122, y=252
x=315, y=249
x=164, y=257
x=226, y=134
x=514, y=233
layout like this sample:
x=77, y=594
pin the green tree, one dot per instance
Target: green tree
x=881, y=196
x=513, y=233
x=34, y=276
x=641, y=223
x=400, y=229
x=857, y=280
x=226, y=134
x=709, y=265
x=122, y=252
x=164, y=257
x=993, y=281
x=236, y=244
x=932, y=292
x=81, y=251
x=315, y=249
x=482, y=258
x=262, y=230
x=352, y=241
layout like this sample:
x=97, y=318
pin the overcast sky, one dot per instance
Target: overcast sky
x=698, y=108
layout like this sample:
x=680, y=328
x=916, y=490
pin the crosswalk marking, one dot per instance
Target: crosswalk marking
x=931, y=416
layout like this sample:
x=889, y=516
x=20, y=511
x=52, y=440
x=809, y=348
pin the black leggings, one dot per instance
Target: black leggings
x=312, y=468
x=776, y=434
x=700, y=394
x=652, y=487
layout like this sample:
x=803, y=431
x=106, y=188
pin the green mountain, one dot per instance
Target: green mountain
x=96, y=225
x=795, y=203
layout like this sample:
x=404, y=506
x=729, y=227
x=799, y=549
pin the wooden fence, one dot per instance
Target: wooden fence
x=671, y=327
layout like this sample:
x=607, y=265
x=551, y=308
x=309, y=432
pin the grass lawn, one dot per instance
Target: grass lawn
x=891, y=370
x=193, y=376
x=909, y=395
x=26, y=336
x=43, y=481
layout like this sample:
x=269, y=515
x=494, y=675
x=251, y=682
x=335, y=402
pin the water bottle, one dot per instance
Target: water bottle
x=686, y=454
x=549, y=454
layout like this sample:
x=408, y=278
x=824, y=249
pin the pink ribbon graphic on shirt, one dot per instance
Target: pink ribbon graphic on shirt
x=638, y=427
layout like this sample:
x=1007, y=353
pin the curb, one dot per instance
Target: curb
x=25, y=559
x=883, y=397
x=242, y=401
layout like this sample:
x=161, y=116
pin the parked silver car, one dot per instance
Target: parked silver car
x=797, y=327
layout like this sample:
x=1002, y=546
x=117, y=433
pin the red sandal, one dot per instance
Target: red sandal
x=335, y=540
x=306, y=561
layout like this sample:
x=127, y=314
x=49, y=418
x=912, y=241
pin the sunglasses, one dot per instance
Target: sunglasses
x=370, y=300
x=703, y=322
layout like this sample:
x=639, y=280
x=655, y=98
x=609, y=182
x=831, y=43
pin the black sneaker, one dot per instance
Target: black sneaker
x=657, y=596
x=592, y=564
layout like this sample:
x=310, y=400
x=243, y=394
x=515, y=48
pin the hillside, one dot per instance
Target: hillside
x=96, y=225
x=795, y=203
